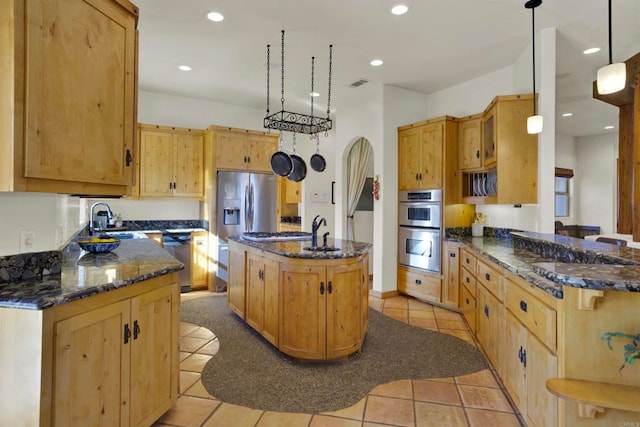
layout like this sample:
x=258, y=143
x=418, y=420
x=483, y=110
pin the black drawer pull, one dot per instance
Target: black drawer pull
x=418, y=282
x=452, y=254
x=486, y=310
x=136, y=329
x=127, y=333
x=487, y=276
x=523, y=306
x=321, y=288
x=467, y=260
x=467, y=279
x=477, y=154
x=467, y=300
x=329, y=288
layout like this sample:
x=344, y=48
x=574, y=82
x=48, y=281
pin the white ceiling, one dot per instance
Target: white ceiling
x=437, y=44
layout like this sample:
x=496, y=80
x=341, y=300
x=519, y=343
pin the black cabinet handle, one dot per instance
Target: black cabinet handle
x=321, y=288
x=452, y=254
x=487, y=276
x=524, y=357
x=420, y=176
x=127, y=333
x=418, y=282
x=486, y=310
x=467, y=260
x=248, y=159
x=520, y=354
x=523, y=306
x=467, y=279
x=477, y=154
x=136, y=329
x=329, y=288
x=417, y=177
x=129, y=158
x=466, y=300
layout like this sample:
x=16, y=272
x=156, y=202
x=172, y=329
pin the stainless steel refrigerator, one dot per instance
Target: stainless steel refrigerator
x=245, y=202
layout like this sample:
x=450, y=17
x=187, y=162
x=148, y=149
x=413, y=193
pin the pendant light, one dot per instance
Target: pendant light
x=534, y=123
x=613, y=77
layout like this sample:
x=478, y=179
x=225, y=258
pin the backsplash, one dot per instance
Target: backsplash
x=166, y=224
x=29, y=266
x=498, y=233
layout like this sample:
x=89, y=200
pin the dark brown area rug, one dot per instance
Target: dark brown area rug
x=249, y=371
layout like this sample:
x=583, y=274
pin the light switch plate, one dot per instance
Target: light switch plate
x=27, y=240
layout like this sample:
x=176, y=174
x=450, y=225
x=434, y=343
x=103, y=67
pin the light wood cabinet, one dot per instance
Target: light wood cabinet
x=451, y=274
x=108, y=359
x=293, y=191
x=489, y=326
x=469, y=140
x=73, y=130
x=236, y=280
x=244, y=150
x=171, y=162
x=469, y=307
x=419, y=283
x=420, y=157
x=262, y=296
x=489, y=131
x=199, y=260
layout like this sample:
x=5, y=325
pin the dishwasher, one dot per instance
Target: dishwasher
x=179, y=246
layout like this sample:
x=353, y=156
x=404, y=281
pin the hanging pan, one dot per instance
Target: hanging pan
x=281, y=163
x=318, y=163
x=299, y=171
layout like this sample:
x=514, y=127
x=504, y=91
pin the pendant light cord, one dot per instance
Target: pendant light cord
x=533, y=55
x=610, y=54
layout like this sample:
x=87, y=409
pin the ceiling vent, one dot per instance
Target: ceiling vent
x=358, y=83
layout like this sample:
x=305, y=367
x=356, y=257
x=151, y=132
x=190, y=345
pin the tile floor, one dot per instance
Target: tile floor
x=475, y=400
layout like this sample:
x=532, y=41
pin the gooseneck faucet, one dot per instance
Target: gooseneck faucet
x=314, y=229
x=92, y=226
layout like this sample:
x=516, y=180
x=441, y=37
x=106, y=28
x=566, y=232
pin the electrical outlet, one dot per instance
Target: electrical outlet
x=27, y=240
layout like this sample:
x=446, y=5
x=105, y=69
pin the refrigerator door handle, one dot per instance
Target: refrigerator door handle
x=251, y=203
x=247, y=228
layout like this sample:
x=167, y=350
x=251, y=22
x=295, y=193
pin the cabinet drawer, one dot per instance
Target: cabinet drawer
x=420, y=285
x=539, y=318
x=491, y=279
x=468, y=280
x=468, y=260
x=468, y=307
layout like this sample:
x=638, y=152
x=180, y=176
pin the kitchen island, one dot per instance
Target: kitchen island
x=89, y=339
x=310, y=304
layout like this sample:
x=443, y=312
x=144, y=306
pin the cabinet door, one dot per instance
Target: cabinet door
x=451, y=281
x=303, y=291
x=541, y=365
x=231, y=151
x=409, y=155
x=293, y=191
x=156, y=170
x=259, y=153
x=489, y=130
x=199, y=260
x=271, y=281
x=91, y=371
x=236, y=279
x=468, y=307
x=154, y=360
x=431, y=171
x=364, y=309
x=188, y=168
x=343, y=306
x=469, y=134
x=489, y=331
x=515, y=378
x=255, y=292
x=80, y=118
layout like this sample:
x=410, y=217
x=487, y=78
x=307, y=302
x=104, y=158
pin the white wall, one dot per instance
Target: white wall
x=596, y=181
x=566, y=158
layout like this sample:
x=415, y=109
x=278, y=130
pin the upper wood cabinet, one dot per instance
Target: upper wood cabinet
x=238, y=149
x=68, y=69
x=293, y=191
x=171, y=162
x=469, y=140
x=420, y=156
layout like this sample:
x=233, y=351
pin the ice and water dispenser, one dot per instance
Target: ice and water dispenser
x=231, y=212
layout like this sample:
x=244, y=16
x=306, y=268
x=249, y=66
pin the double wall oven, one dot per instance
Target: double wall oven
x=419, y=229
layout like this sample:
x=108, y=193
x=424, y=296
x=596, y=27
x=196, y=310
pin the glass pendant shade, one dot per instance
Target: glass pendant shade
x=534, y=124
x=612, y=78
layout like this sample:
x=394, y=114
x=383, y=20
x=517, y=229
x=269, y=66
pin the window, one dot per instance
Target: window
x=563, y=190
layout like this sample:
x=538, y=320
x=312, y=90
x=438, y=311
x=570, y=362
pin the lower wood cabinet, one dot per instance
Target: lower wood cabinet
x=199, y=272
x=451, y=274
x=490, y=326
x=468, y=307
x=236, y=279
x=262, y=296
x=419, y=284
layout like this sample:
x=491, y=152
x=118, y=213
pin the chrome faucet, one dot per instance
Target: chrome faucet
x=92, y=226
x=314, y=229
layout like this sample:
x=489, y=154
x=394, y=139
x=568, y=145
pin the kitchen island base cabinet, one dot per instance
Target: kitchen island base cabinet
x=109, y=359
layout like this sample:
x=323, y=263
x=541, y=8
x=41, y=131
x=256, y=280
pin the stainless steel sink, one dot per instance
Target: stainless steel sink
x=321, y=248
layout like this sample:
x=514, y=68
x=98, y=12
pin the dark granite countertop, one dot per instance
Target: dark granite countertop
x=295, y=248
x=551, y=261
x=83, y=274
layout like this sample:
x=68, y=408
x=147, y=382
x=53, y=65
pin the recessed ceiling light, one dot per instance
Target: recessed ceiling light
x=215, y=16
x=399, y=9
x=567, y=114
x=609, y=127
x=376, y=62
x=184, y=67
x=591, y=50
x=315, y=94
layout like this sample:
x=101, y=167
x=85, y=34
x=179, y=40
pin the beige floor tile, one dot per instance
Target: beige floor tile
x=483, y=418
x=484, y=398
x=328, y=421
x=451, y=324
x=387, y=410
x=233, y=416
x=195, y=362
x=284, y=419
x=203, y=333
x=459, y=333
x=396, y=302
x=448, y=315
x=424, y=323
x=187, y=379
x=189, y=412
x=401, y=389
x=191, y=344
x=354, y=412
x=436, y=392
x=211, y=348
x=374, y=425
x=421, y=314
x=396, y=312
x=198, y=390
x=482, y=378
x=187, y=328
x=431, y=415
x=415, y=304
x=441, y=380
x=184, y=355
